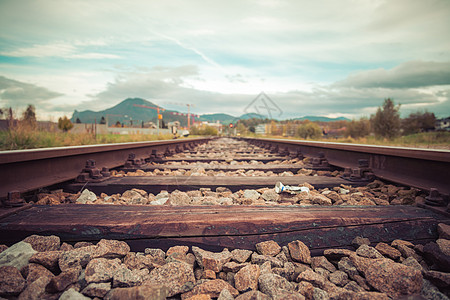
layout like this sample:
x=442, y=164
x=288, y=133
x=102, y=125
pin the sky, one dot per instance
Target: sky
x=323, y=57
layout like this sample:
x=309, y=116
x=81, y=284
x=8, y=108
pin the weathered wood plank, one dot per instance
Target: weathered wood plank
x=155, y=184
x=209, y=159
x=223, y=226
x=276, y=168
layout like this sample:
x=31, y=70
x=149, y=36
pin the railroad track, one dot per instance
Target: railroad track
x=226, y=172
x=216, y=193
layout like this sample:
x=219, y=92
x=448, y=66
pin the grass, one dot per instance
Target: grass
x=26, y=137
x=432, y=140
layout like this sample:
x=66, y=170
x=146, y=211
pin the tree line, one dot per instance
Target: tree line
x=385, y=123
x=28, y=118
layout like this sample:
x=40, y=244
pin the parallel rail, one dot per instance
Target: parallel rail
x=215, y=227
x=26, y=170
x=421, y=168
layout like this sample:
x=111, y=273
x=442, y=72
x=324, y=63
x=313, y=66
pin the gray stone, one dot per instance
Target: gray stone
x=429, y=291
x=79, y=257
x=177, y=276
x=444, y=231
x=161, y=201
x=125, y=277
x=339, y=278
x=179, y=198
x=354, y=287
x=270, y=248
x=17, y=255
x=270, y=195
x=288, y=295
x=47, y=259
x=444, y=246
x=211, y=260
x=322, y=262
x=225, y=295
x=101, y=269
x=347, y=266
x=312, y=277
x=319, y=294
x=111, y=249
x=251, y=194
x=63, y=280
x=241, y=255
x=153, y=292
x=97, y=289
x=43, y=243
x=72, y=294
x=359, y=240
x=135, y=196
x=247, y=278
x=270, y=283
x=11, y=281
x=86, y=197
x=261, y=259
x=369, y=252
x=412, y=262
x=35, y=290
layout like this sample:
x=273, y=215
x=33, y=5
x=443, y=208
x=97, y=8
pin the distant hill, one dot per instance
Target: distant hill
x=226, y=118
x=212, y=118
x=321, y=119
x=252, y=116
x=126, y=112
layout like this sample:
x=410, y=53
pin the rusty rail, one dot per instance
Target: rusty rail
x=422, y=168
x=26, y=170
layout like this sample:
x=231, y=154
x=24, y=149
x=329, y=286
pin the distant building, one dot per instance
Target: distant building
x=260, y=129
x=216, y=125
x=174, y=126
x=443, y=124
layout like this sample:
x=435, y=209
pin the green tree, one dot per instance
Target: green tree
x=309, y=130
x=209, y=130
x=78, y=121
x=103, y=120
x=418, y=122
x=358, y=128
x=386, y=122
x=64, y=124
x=240, y=128
x=29, y=116
x=206, y=130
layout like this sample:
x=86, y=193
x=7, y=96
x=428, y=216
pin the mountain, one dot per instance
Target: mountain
x=252, y=116
x=212, y=118
x=321, y=119
x=126, y=112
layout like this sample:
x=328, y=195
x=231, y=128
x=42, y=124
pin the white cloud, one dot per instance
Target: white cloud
x=314, y=57
x=15, y=93
x=60, y=49
x=412, y=74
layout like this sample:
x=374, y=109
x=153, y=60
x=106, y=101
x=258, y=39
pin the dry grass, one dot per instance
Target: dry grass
x=23, y=136
x=429, y=140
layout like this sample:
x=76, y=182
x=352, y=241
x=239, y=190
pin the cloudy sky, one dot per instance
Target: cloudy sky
x=322, y=57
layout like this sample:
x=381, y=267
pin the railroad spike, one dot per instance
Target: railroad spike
x=133, y=162
x=90, y=172
x=320, y=161
x=14, y=199
x=435, y=198
x=360, y=173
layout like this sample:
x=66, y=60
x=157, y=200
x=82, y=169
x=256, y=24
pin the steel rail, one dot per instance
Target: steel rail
x=421, y=168
x=26, y=170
